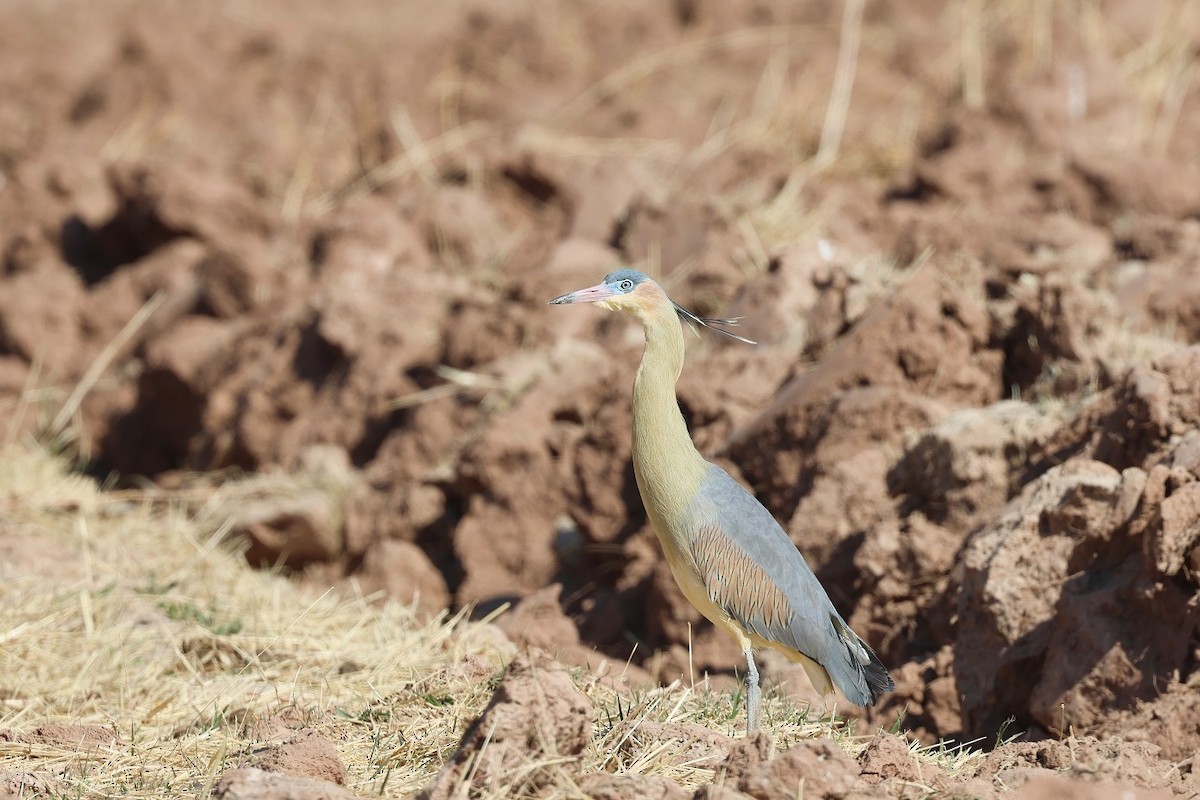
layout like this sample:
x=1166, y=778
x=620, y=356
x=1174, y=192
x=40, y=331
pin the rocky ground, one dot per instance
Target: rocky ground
x=316, y=241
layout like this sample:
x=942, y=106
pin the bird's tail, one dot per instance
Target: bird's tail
x=867, y=664
x=877, y=675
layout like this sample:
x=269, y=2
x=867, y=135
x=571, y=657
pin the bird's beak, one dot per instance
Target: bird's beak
x=592, y=294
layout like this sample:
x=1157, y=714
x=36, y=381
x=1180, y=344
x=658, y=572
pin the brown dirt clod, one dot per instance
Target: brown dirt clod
x=249, y=783
x=306, y=754
x=536, y=711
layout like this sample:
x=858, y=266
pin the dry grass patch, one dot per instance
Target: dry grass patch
x=123, y=615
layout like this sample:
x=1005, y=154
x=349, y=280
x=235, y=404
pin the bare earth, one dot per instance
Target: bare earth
x=287, y=264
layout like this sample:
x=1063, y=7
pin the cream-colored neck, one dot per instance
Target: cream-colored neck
x=667, y=465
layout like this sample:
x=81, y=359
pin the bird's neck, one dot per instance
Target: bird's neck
x=667, y=466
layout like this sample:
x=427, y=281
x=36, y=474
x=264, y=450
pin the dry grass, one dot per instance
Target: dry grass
x=126, y=615
x=119, y=615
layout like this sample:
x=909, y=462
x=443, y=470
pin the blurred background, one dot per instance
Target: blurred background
x=301, y=252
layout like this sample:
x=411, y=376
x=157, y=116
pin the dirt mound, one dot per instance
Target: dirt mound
x=317, y=244
x=66, y=736
x=306, y=754
x=535, y=713
x=249, y=783
x=1072, y=601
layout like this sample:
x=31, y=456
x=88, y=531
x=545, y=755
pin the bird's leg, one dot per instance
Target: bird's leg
x=753, y=692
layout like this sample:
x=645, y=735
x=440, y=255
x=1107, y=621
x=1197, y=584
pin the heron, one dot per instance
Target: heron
x=726, y=551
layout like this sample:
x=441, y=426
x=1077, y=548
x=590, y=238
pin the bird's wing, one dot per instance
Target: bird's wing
x=754, y=573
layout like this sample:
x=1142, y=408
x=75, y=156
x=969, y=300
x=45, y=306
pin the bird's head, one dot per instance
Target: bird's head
x=634, y=293
x=624, y=290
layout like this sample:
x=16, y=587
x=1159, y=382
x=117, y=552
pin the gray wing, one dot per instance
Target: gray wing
x=754, y=573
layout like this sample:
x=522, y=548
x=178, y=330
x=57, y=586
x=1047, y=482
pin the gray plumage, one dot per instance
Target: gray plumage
x=816, y=629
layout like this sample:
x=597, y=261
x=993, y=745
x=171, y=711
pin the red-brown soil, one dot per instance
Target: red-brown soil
x=976, y=397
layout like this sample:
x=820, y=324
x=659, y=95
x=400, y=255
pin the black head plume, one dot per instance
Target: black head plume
x=713, y=323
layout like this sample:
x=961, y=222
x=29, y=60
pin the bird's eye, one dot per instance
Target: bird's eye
x=626, y=285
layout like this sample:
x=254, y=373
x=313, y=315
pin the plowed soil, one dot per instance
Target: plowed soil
x=318, y=239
